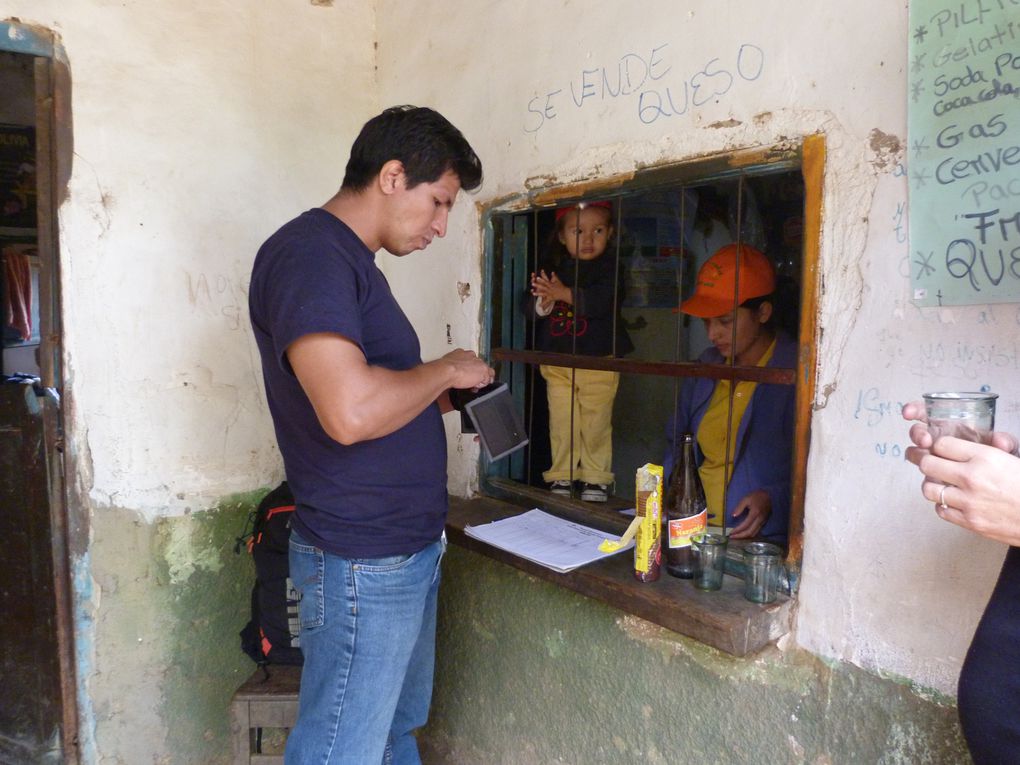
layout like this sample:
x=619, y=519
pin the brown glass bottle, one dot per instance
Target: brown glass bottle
x=686, y=511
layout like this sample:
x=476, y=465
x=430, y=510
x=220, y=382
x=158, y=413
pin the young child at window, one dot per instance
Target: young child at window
x=577, y=293
x=747, y=440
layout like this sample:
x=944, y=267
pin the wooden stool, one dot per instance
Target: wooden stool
x=263, y=703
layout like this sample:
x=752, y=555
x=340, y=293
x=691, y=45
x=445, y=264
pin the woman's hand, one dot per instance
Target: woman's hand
x=756, y=508
x=922, y=439
x=974, y=485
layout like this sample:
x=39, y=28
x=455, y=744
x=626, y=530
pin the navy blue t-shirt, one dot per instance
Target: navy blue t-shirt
x=386, y=496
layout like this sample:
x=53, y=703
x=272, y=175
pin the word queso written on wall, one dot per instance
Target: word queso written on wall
x=964, y=151
x=650, y=83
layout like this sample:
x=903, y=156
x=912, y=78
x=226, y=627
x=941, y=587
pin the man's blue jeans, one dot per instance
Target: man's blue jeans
x=368, y=634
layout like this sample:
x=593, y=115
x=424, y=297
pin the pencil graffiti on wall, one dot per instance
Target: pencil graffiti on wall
x=648, y=83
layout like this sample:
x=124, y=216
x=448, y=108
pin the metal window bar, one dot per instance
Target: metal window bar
x=733, y=353
x=676, y=368
x=678, y=323
x=531, y=344
x=536, y=261
x=734, y=372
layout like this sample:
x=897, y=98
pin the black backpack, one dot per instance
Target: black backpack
x=271, y=637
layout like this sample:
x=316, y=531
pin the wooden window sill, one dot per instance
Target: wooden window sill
x=724, y=619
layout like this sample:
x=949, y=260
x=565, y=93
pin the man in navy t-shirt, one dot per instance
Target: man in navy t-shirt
x=358, y=421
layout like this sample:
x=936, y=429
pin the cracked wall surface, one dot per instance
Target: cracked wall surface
x=529, y=673
x=624, y=91
x=197, y=131
x=170, y=597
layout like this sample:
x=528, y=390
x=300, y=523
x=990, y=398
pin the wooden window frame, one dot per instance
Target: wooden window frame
x=680, y=613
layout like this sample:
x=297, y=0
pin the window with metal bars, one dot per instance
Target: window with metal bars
x=614, y=347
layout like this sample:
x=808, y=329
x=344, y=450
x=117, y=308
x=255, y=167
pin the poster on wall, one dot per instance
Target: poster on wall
x=17, y=176
x=963, y=162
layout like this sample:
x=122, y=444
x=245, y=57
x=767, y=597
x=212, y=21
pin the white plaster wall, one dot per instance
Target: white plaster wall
x=199, y=128
x=885, y=583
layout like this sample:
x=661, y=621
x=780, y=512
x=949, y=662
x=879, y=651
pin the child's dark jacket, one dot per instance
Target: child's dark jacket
x=590, y=321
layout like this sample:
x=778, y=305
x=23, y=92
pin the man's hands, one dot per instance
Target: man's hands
x=355, y=401
x=469, y=371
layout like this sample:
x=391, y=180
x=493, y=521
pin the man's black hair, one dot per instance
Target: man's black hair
x=424, y=142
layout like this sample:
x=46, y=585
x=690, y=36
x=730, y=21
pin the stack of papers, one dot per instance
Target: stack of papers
x=545, y=539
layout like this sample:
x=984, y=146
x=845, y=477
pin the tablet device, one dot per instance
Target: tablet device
x=497, y=422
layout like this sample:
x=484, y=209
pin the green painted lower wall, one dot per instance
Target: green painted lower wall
x=169, y=599
x=526, y=672
x=529, y=673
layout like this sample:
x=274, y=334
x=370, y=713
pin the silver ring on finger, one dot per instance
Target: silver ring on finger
x=942, y=497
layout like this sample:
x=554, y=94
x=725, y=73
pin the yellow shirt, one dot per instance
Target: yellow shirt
x=717, y=466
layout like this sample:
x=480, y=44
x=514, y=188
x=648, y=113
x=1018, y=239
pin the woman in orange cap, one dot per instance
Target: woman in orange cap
x=743, y=430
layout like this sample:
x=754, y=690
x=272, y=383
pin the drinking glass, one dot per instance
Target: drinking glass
x=762, y=562
x=966, y=415
x=709, y=560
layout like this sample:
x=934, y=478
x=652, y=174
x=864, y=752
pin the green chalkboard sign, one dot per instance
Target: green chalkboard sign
x=963, y=165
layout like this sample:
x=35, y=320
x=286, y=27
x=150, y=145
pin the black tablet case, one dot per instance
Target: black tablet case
x=497, y=422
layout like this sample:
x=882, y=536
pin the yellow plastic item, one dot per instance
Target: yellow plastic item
x=648, y=547
x=610, y=545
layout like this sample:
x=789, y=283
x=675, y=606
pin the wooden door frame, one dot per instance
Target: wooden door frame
x=53, y=168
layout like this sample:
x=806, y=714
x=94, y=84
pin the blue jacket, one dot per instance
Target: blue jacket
x=764, y=453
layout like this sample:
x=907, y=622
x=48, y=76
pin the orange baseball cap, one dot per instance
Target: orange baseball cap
x=717, y=283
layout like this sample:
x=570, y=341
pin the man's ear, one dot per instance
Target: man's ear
x=764, y=312
x=391, y=176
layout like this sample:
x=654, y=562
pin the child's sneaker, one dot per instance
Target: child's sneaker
x=560, y=487
x=595, y=492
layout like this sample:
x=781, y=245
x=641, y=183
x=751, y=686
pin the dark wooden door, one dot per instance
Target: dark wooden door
x=30, y=680
x=38, y=710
